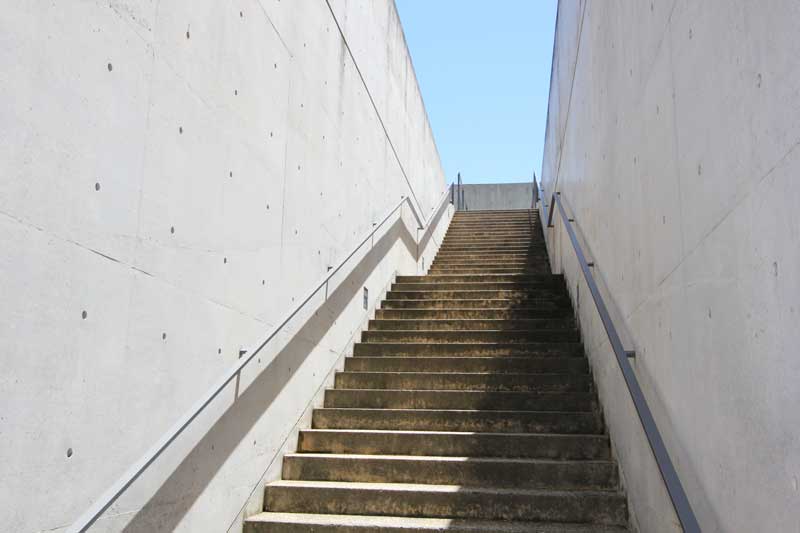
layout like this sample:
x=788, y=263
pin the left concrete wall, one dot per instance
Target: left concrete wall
x=174, y=177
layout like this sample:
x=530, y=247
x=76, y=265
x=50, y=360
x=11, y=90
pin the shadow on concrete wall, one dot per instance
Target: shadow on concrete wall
x=167, y=507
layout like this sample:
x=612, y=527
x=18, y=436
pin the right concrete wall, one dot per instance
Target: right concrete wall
x=672, y=135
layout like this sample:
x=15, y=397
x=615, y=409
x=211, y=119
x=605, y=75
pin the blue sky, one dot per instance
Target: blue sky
x=484, y=71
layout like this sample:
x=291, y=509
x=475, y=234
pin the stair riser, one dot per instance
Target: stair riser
x=595, y=507
x=516, y=240
x=557, y=308
x=491, y=249
x=471, y=382
x=493, y=223
x=542, y=294
x=481, y=267
x=488, y=269
x=491, y=235
x=520, y=365
x=504, y=261
x=475, y=421
x=532, y=254
x=463, y=325
x=467, y=314
x=477, y=286
x=485, y=401
x=554, y=475
x=478, y=337
x=552, y=280
x=558, y=349
x=480, y=213
x=566, y=447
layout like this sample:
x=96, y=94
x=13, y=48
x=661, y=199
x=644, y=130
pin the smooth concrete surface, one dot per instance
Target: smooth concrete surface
x=673, y=135
x=174, y=178
x=496, y=196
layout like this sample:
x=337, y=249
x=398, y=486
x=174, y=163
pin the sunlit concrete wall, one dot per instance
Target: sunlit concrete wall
x=174, y=178
x=673, y=135
x=494, y=196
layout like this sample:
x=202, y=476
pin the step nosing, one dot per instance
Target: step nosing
x=475, y=392
x=448, y=459
x=489, y=412
x=492, y=434
x=438, y=488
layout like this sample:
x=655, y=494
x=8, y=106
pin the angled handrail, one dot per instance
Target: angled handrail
x=85, y=521
x=675, y=489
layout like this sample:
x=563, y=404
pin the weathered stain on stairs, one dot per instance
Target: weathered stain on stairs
x=467, y=406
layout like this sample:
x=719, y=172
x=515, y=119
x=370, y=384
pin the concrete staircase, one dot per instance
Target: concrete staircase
x=468, y=406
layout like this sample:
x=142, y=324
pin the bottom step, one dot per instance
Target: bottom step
x=331, y=523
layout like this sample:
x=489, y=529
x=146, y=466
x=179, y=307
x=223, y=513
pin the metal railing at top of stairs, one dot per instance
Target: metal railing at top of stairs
x=677, y=494
x=85, y=521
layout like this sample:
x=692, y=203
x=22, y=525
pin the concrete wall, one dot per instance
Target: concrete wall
x=490, y=196
x=174, y=177
x=673, y=134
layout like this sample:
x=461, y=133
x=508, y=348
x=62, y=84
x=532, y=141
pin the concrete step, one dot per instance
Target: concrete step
x=488, y=235
x=491, y=245
x=468, y=239
x=473, y=324
x=332, y=523
x=489, y=268
x=446, y=501
x=480, y=303
x=552, y=279
x=532, y=349
x=483, y=249
x=492, y=212
x=543, y=294
x=492, y=242
x=464, y=381
x=509, y=226
x=459, y=220
x=494, y=235
x=459, y=224
x=463, y=221
x=388, y=442
x=483, y=213
x=444, y=470
x=481, y=315
x=499, y=251
x=484, y=285
x=493, y=227
x=521, y=365
x=455, y=399
x=475, y=336
x=534, y=266
x=492, y=258
x=458, y=420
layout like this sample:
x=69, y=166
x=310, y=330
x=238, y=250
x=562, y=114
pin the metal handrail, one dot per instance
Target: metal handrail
x=673, y=484
x=459, y=193
x=85, y=521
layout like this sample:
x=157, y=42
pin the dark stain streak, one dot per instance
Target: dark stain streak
x=146, y=273
x=104, y=255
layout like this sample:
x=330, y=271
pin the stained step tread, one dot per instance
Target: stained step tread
x=330, y=523
x=459, y=443
x=448, y=501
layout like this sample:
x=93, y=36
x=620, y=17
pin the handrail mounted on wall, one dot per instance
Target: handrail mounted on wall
x=673, y=484
x=108, y=498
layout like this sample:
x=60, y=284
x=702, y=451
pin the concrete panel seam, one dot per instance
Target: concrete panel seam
x=374, y=106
